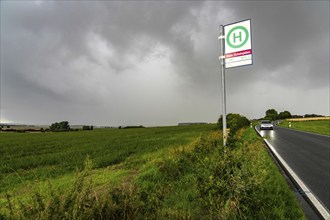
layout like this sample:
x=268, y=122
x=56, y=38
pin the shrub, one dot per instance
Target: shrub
x=234, y=122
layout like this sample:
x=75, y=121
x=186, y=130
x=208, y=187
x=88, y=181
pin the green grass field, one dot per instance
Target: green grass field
x=42, y=156
x=319, y=127
x=147, y=173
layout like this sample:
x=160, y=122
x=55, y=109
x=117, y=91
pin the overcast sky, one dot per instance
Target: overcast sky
x=156, y=63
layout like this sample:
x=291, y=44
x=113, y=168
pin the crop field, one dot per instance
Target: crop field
x=309, y=119
x=314, y=126
x=42, y=156
x=146, y=173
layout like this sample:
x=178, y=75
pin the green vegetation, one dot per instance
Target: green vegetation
x=319, y=127
x=234, y=122
x=284, y=115
x=151, y=173
x=272, y=115
x=60, y=126
x=86, y=127
x=41, y=156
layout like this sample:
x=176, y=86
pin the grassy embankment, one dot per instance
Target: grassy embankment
x=318, y=125
x=154, y=173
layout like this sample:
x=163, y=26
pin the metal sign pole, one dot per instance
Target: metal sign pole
x=223, y=83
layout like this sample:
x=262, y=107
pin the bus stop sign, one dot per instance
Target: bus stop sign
x=238, y=47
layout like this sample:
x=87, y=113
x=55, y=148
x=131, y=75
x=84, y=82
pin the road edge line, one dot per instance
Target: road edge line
x=313, y=200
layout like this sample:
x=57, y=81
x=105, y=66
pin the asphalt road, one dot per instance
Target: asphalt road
x=308, y=155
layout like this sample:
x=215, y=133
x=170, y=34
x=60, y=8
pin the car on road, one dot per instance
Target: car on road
x=266, y=125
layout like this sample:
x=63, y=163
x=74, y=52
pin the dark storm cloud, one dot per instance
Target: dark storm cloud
x=123, y=62
x=290, y=41
x=39, y=34
x=51, y=48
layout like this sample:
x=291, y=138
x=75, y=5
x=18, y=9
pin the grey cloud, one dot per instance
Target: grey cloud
x=83, y=57
x=292, y=34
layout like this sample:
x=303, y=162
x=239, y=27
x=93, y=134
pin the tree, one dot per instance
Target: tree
x=234, y=122
x=284, y=115
x=271, y=114
x=60, y=126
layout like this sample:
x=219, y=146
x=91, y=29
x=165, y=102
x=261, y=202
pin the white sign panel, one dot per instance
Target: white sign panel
x=238, y=48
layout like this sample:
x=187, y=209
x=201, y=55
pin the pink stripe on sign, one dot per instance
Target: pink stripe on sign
x=238, y=54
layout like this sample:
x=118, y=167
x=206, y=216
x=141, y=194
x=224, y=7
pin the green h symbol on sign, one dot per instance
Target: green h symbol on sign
x=239, y=36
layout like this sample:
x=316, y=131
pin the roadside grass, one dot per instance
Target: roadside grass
x=189, y=176
x=317, y=126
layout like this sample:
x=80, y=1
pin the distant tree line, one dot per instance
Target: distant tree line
x=87, y=128
x=131, y=126
x=20, y=130
x=312, y=115
x=271, y=114
x=62, y=126
x=4, y=126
